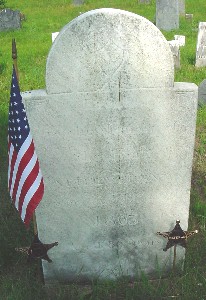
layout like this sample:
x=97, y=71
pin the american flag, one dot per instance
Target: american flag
x=25, y=181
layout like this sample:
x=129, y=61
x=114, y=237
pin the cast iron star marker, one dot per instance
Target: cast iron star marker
x=177, y=236
x=37, y=250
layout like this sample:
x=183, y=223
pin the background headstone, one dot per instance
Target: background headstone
x=180, y=39
x=167, y=14
x=201, y=46
x=202, y=93
x=114, y=135
x=9, y=19
x=144, y=1
x=182, y=7
x=175, y=48
x=78, y=2
x=189, y=17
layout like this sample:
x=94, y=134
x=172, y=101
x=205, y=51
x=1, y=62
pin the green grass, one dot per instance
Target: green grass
x=19, y=281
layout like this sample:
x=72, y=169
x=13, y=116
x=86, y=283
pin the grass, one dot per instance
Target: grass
x=18, y=281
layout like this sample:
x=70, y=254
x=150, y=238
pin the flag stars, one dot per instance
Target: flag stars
x=18, y=120
x=17, y=112
x=15, y=103
x=19, y=128
x=14, y=94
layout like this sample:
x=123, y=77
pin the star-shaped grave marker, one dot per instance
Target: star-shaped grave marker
x=37, y=250
x=177, y=236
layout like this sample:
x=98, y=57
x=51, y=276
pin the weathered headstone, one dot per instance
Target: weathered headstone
x=182, y=7
x=180, y=39
x=202, y=93
x=201, y=46
x=175, y=48
x=10, y=19
x=189, y=17
x=167, y=14
x=78, y=2
x=114, y=135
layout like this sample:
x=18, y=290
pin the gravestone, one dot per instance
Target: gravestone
x=145, y=1
x=114, y=135
x=180, y=39
x=175, y=48
x=202, y=93
x=167, y=14
x=201, y=46
x=189, y=17
x=78, y=2
x=10, y=19
x=182, y=7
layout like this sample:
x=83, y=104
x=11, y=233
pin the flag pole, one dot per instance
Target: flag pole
x=14, y=57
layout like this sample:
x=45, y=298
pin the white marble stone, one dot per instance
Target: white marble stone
x=201, y=46
x=114, y=135
x=180, y=39
x=167, y=14
x=54, y=35
x=175, y=48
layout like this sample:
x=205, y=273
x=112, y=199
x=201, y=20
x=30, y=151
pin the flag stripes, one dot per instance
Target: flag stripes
x=25, y=181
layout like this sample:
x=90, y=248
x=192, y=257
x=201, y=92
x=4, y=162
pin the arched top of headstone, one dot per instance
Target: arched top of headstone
x=108, y=48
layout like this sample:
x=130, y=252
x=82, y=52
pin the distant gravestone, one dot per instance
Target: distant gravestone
x=189, y=17
x=180, y=39
x=175, y=48
x=115, y=136
x=167, y=14
x=182, y=7
x=202, y=93
x=145, y=1
x=10, y=19
x=78, y=2
x=201, y=46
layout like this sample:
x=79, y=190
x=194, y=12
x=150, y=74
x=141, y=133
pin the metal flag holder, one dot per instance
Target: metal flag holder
x=37, y=248
x=175, y=237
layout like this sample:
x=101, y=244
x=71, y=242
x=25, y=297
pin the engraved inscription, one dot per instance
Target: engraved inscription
x=119, y=244
x=121, y=220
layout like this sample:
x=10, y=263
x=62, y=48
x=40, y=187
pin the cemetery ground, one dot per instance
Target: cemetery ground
x=18, y=280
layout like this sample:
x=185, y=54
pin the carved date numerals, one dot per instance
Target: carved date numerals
x=121, y=220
